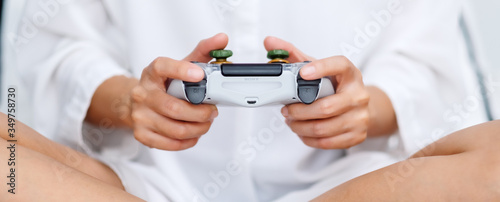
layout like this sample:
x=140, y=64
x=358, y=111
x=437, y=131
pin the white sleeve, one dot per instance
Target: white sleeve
x=64, y=54
x=419, y=64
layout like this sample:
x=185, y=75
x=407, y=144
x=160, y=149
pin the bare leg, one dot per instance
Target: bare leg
x=48, y=171
x=31, y=139
x=41, y=178
x=464, y=166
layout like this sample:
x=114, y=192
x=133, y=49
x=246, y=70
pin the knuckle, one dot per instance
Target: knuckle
x=202, y=43
x=344, y=61
x=181, y=132
x=343, y=58
x=173, y=107
x=145, y=72
x=364, y=117
x=157, y=62
x=320, y=64
x=357, y=72
x=319, y=130
x=138, y=94
x=363, y=98
x=157, y=69
x=326, y=108
x=158, y=65
x=137, y=116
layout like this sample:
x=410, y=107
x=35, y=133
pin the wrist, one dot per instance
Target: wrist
x=112, y=101
x=383, y=120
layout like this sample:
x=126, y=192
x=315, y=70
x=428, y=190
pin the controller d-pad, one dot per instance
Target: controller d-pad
x=307, y=89
x=196, y=92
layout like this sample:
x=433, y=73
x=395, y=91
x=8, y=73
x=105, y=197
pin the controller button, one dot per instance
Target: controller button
x=303, y=82
x=196, y=92
x=308, y=94
x=308, y=89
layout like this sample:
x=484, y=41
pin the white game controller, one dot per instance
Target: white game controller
x=251, y=85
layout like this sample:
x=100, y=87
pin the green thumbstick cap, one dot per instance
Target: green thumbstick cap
x=278, y=54
x=221, y=54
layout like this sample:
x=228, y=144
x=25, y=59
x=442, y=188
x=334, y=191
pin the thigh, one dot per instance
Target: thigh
x=463, y=166
x=468, y=176
x=41, y=178
x=29, y=138
x=483, y=137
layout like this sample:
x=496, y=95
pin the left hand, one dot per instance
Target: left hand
x=338, y=121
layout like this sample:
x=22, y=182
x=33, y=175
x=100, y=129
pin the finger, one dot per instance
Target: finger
x=202, y=51
x=155, y=140
x=343, y=141
x=179, y=130
x=318, y=128
x=273, y=43
x=172, y=107
x=338, y=66
x=163, y=68
x=352, y=120
x=326, y=107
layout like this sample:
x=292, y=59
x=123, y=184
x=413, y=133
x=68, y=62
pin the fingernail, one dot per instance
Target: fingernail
x=308, y=71
x=284, y=111
x=195, y=73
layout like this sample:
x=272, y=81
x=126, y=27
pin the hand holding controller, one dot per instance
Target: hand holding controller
x=251, y=85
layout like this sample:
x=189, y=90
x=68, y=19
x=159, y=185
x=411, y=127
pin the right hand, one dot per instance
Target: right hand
x=162, y=121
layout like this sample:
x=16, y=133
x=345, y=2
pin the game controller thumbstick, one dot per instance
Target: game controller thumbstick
x=221, y=56
x=278, y=56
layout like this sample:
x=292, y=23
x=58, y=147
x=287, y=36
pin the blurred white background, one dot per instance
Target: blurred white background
x=485, y=18
x=487, y=21
x=486, y=25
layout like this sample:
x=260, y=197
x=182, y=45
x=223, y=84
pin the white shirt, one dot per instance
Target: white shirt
x=412, y=50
